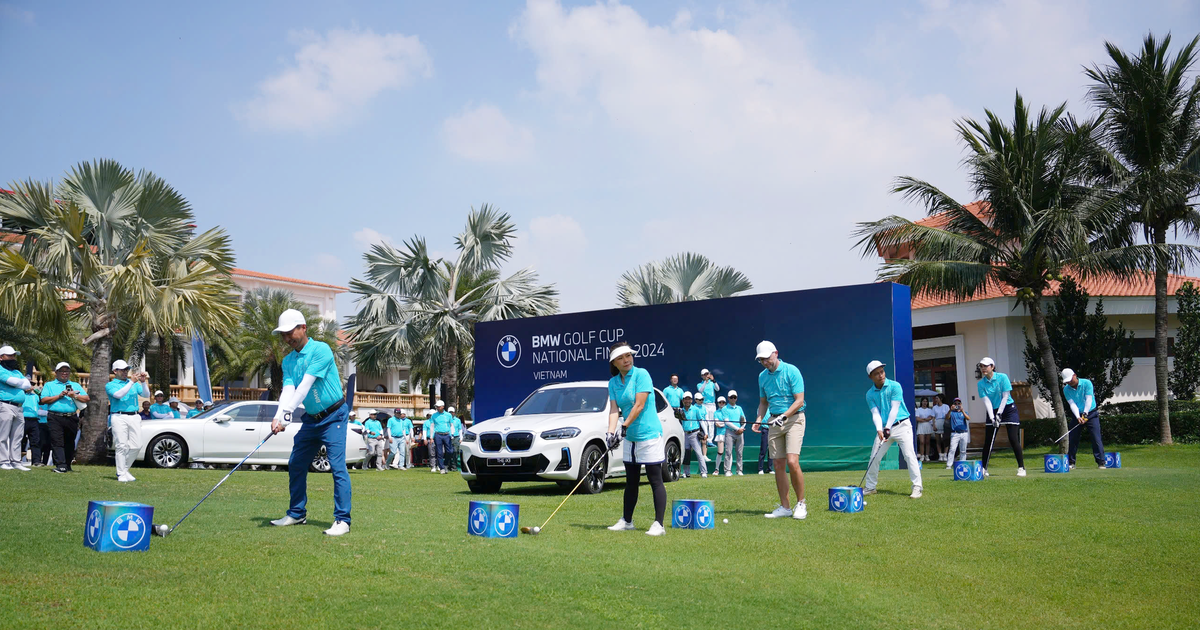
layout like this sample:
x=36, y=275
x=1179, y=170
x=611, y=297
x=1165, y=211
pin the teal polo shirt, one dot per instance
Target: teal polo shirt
x=314, y=358
x=1078, y=394
x=695, y=414
x=624, y=391
x=996, y=389
x=128, y=403
x=29, y=408
x=8, y=393
x=780, y=387
x=62, y=405
x=674, y=395
x=162, y=409
x=719, y=416
x=734, y=418
x=709, y=389
x=441, y=422
x=881, y=398
x=457, y=429
x=373, y=428
x=396, y=428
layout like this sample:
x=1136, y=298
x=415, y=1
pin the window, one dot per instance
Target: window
x=1144, y=346
x=245, y=413
x=659, y=402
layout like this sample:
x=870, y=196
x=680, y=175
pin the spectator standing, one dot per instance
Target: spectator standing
x=924, y=429
x=719, y=438
x=400, y=432
x=708, y=388
x=126, y=424
x=735, y=427
x=693, y=415
x=455, y=441
x=373, y=431
x=35, y=418
x=60, y=397
x=940, y=411
x=440, y=425
x=673, y=393
x=13, y=389
x=960, y=432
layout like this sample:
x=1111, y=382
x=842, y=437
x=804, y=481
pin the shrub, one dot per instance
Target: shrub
x=1130, y=428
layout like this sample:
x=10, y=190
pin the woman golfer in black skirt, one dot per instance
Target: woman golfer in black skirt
x=631, y=401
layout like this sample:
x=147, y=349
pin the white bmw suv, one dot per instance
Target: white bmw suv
x=557, y=434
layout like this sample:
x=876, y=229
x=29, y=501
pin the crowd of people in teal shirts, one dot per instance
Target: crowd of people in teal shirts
x=397, y=438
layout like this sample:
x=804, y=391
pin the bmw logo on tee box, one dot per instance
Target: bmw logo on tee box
x=493, y=519
x=968, y=471
x=693, y=514
x=846, y=499
x=1057, y=464
x=1112, y=460
x=117, y=526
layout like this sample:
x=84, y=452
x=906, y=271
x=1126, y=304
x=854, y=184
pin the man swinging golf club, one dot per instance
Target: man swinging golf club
x=310, y=376
x=886, y=397
x=1081, y=396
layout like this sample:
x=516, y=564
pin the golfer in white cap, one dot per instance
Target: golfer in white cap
x=161, y=409
x=442, y=425
x=693, y=415
x=890, y=415
x=61, y=397
x=708, y=387
x=13, y=389
x=781, y=397
x=735, y=426
x=1081, y=397
x=995, y=390
x=631, y=403
x=123, y=395
x=310, y=376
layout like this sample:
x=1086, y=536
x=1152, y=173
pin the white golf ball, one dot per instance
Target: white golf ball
x=725, y=520
x=537, y=529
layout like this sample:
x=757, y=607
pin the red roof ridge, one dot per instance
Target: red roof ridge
x=1135, y=285
x=268, y=276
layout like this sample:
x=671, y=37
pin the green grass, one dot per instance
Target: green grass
x=1090, y=549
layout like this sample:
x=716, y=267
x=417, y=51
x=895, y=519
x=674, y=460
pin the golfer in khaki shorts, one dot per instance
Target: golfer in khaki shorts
x=781, y=407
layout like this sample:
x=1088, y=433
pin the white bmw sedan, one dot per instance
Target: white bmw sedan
x=226, y=433
x=557, y=434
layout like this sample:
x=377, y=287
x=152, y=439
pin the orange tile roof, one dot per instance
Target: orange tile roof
x=977, y=208
x=246, y=273
x=1138, y=285
x=11, y=237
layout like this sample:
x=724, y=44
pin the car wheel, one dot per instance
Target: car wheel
x=594, y=484
x=674, y=463
x=167, y=451
x=320, y=463
x=484, y=486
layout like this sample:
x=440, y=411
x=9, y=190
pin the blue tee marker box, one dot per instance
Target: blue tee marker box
x=846, y=499
x=968, y=471
x=117, y=526
x=1057, y=464
x=692, y=514
x=1112, y=460
x=493, y=519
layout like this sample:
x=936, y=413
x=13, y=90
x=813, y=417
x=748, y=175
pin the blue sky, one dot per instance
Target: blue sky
x=754, y=133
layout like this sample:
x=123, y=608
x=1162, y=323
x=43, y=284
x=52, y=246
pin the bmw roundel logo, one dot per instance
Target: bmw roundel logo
x=838, y=500
x=127, y=530
x=683, y=515
x=856, y=501
x=94, y=524
x=508, y=352
x=479, y=521
x=1052, y=463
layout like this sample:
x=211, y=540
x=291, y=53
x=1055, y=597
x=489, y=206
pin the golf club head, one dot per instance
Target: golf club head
x=530, y=530
x=160, y=530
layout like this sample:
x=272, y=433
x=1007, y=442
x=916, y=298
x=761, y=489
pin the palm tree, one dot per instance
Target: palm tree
x=1042, y=209
x=253, y=348
x=93, y=241
x=413, y=308
x=683, y=277
x=1151, y=112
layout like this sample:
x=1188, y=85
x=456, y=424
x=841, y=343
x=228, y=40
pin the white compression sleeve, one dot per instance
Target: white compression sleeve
x=298, y=394
x=894, y=412
x=1075, y=409
x=877, y=419
x=161, y=416
x=1087, y=404
x=14, y=381
x=285, y=396
x=120, y=393
x=987, y=404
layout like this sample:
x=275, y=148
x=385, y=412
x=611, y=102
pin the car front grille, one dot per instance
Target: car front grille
x=519, y=441
x=527, y=471
x=490, y=442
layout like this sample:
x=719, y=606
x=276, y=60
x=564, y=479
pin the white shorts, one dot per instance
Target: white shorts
x=652, y=451
x=925, y=428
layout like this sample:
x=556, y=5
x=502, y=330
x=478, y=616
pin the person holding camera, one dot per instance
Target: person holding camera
x=890, y=415
x=960, y=433
x=630, y=393
x=123, y=395
x=708, y=388
x=61, y=397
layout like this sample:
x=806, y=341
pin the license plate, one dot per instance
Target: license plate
x=494, y=462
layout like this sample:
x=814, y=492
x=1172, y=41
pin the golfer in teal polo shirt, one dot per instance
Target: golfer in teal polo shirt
x=673, y=393
x=400, y=431
x=781, y=398
x=440, y=425
x=310, y=375
x=60, y=397
x=126, y=424
x=1081, y=397
x=996, y=392
x=890, y=415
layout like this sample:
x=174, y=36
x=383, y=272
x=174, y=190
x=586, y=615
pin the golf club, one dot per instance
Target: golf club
x=1077, y=425
x=163, y=530
x=538, y=530
x=870, y=463
x=993, y=443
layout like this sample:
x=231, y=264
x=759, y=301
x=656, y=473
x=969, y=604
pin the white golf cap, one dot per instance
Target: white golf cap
x=450, y=409
x=987, y=361
x=158, y=392
x=173, y=400
x=704, y=371
x=8, y=350
x=120, y=364
x=289, y=320
x=439, y=404
x=699, y=395
x=686, y=395
x=764, y=350
x=732, y=393
x=1067, y=374
x=619, y=352
x=61, y=365
x=720, y=399
x=874, y=365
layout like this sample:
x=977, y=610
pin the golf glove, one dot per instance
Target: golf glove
x=776, y=422
x=887, y=433
x=612, y=440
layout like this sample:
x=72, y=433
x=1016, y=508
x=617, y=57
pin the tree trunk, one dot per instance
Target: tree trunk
x=1048, y=364
x=1160, y=340
x=450, y=375
x=94, y=420
x=164, y=364
x=276, y=387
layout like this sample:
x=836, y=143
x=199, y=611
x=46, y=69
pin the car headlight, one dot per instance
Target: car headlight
x=560, y=434
x=469, y=437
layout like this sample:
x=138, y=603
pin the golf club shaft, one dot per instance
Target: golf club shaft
x=214, y=489
x=581, y=480
x=1077, y=425
x=870, y=463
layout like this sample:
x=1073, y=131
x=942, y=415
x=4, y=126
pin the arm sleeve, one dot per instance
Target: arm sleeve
x=14, y=381
x=161, y=416
x=298, y=394
x=120, y=393
x=893, y=413
x=1074, y=408
x=288, y=391
x=1087, y=403
x=987, y=405
x=876, y=418
x=42, y=413
x=1003, y=404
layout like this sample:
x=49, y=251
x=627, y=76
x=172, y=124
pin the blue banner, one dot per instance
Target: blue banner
x=200, y=369
x=829, y=334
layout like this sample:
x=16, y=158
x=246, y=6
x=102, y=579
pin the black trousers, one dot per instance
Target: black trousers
x=1012, y=423
x=1093, y=429
x=62, y=437
x=764, y=460
x=44, y=445
x=31, y=441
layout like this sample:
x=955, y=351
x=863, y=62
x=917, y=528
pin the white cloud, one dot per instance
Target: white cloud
x=484, y=134
x=333, y=77
x=367, y=237
x=557, y=237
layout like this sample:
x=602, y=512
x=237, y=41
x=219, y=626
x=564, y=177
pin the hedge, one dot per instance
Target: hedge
x=1149, y=406
x=1130, y=428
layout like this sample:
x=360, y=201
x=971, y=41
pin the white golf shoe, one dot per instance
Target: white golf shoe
x=339, y=528
x=868, y=491
x=761, y=472
x=287, y=520
x=728, y=474
x=1020, y=472
x=801, y=511
x=20, y=466
x=5, y=466
x=622, y=526
x=916, y=493
x=656, y=529
x=739, y=473
x=779, y=512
